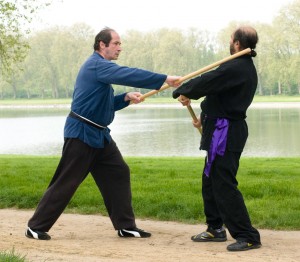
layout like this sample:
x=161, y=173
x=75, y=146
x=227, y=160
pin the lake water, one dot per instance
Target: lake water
x=151, y=131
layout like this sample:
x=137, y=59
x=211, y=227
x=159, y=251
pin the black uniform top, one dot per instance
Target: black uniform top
x=229, y=91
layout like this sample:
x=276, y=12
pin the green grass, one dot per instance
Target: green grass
x=167, y=189
x=11, y=257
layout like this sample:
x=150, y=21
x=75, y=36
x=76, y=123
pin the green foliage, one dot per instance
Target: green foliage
x=167, y=188
x=15, y=18
x=52, y=63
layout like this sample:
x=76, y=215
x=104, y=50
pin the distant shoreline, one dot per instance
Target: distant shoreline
x=253, y=105
x=157, y=105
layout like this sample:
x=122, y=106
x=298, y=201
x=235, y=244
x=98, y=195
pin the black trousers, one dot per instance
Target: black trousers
x=223, y=202
x=110, y=173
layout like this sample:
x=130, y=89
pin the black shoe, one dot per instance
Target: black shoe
x=242, y=246
x=211, y=235
x=133, y=232
x=36, y=234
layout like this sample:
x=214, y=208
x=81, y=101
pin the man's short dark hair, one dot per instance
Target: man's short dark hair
x=104, y=36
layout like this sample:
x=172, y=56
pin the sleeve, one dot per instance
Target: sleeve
x=212, y=82
x=119, y=102
x=111, y=73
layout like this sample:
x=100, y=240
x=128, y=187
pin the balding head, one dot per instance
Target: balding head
x=247, y=37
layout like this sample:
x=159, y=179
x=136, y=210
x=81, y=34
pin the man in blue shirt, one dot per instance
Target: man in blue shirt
x=88, y=146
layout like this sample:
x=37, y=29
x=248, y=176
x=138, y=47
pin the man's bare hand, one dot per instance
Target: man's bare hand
x=184, y=100
x=134, y=97
x=173, y=81
x=197, y=124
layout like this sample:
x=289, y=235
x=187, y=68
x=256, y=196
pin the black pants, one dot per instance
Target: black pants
x=110, y=173
x=223, y=202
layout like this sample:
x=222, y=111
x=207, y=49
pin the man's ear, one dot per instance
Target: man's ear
x=101, y=45
x=237, y=46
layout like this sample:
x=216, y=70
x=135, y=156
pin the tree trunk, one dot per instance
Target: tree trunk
x=260, y=90
x=67, y=91
x=14, y=87
x=42, y=93
x=54, y=90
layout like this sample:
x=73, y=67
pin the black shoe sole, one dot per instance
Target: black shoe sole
x=209, y=240
x=245, y=248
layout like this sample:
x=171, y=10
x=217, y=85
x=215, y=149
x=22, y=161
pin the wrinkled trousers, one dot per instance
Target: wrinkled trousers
x=223, y=202
x=110, y=172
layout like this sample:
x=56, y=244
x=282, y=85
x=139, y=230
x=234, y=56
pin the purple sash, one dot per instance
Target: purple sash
x=218, y=143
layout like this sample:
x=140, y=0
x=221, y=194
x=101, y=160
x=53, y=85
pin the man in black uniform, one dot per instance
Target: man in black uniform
x=228, y=91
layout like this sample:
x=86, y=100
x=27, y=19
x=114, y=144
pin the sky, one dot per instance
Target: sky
x=145, y=16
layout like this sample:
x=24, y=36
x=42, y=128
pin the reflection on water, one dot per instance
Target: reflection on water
x=141, y=131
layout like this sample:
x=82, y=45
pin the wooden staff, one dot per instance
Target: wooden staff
x=198, y=72
x=193, y=115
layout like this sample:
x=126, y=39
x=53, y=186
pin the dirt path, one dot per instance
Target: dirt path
x=91, y=238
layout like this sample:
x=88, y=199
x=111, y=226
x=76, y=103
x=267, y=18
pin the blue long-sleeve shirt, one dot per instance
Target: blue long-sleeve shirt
x=94, y=98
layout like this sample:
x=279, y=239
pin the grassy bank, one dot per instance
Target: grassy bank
x=165, y=188
x=149, y=100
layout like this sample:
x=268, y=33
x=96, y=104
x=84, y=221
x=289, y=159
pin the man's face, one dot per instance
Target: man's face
x=112, y=51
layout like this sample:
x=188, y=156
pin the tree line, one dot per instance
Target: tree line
x=51, y=64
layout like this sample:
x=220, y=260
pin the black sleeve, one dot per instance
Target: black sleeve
x=212, y=82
